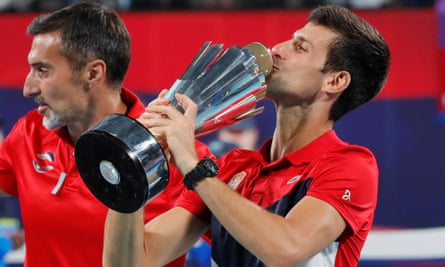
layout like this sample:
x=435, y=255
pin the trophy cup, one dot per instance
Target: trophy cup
x=123, y=164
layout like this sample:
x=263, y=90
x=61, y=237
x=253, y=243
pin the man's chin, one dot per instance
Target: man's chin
x=51, y=124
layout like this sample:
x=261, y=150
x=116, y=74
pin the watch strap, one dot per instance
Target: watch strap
x=205, y=168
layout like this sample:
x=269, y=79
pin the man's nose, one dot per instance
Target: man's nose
x=30, y=87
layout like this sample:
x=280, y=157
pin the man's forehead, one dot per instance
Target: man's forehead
x=45, y=44
x=303, y=32
x=47, y=39
x=313, y=33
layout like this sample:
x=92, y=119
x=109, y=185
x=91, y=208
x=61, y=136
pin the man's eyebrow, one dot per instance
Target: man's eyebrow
x=301, y=38
x=39, y=65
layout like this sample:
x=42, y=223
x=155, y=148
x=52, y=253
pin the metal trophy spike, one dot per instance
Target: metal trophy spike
x=123, y=164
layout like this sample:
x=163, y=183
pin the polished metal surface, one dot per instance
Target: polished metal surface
x=121, y=163
x=225, y=84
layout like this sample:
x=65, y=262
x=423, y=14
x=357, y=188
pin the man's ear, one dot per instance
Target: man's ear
x=95, y=71
x=338, y=81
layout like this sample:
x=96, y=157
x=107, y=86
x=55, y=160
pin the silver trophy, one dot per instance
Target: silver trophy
x=123, y=164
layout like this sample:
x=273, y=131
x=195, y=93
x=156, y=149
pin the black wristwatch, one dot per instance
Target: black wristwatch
x=205, y=168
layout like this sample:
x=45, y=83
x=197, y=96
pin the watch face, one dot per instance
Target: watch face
x=210, y=166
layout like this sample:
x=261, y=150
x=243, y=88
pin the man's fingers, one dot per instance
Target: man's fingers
x=160, y=100
x=188, y=105
x=163, y=93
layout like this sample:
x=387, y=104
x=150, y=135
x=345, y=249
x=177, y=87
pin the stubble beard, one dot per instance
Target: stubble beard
x=52, y=121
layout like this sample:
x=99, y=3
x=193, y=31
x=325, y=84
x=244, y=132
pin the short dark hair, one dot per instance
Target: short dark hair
x=360, y=49
x=89, y=31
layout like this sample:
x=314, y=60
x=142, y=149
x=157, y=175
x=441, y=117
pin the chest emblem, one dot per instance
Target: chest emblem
x=294, y=179
x=237, y=179
x=44, y=159
x=347, y=195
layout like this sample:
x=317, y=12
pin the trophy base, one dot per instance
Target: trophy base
x=121, y=163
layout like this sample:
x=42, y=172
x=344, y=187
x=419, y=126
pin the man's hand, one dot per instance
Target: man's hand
x=173, y=129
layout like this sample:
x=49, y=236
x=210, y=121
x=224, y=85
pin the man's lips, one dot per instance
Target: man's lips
x=42, y=108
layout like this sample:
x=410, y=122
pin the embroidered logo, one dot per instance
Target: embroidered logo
x=47, y=157
x=294, y=179
x=347, y=195
x=237, y=179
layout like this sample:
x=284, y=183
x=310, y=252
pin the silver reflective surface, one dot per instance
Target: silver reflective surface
x=121, y=163
x=225, y=84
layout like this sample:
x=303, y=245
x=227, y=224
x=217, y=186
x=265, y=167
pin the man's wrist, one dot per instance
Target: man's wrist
x=204, y=168
x=190, y=166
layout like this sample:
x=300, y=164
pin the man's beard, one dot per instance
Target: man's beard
x=52, y=121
